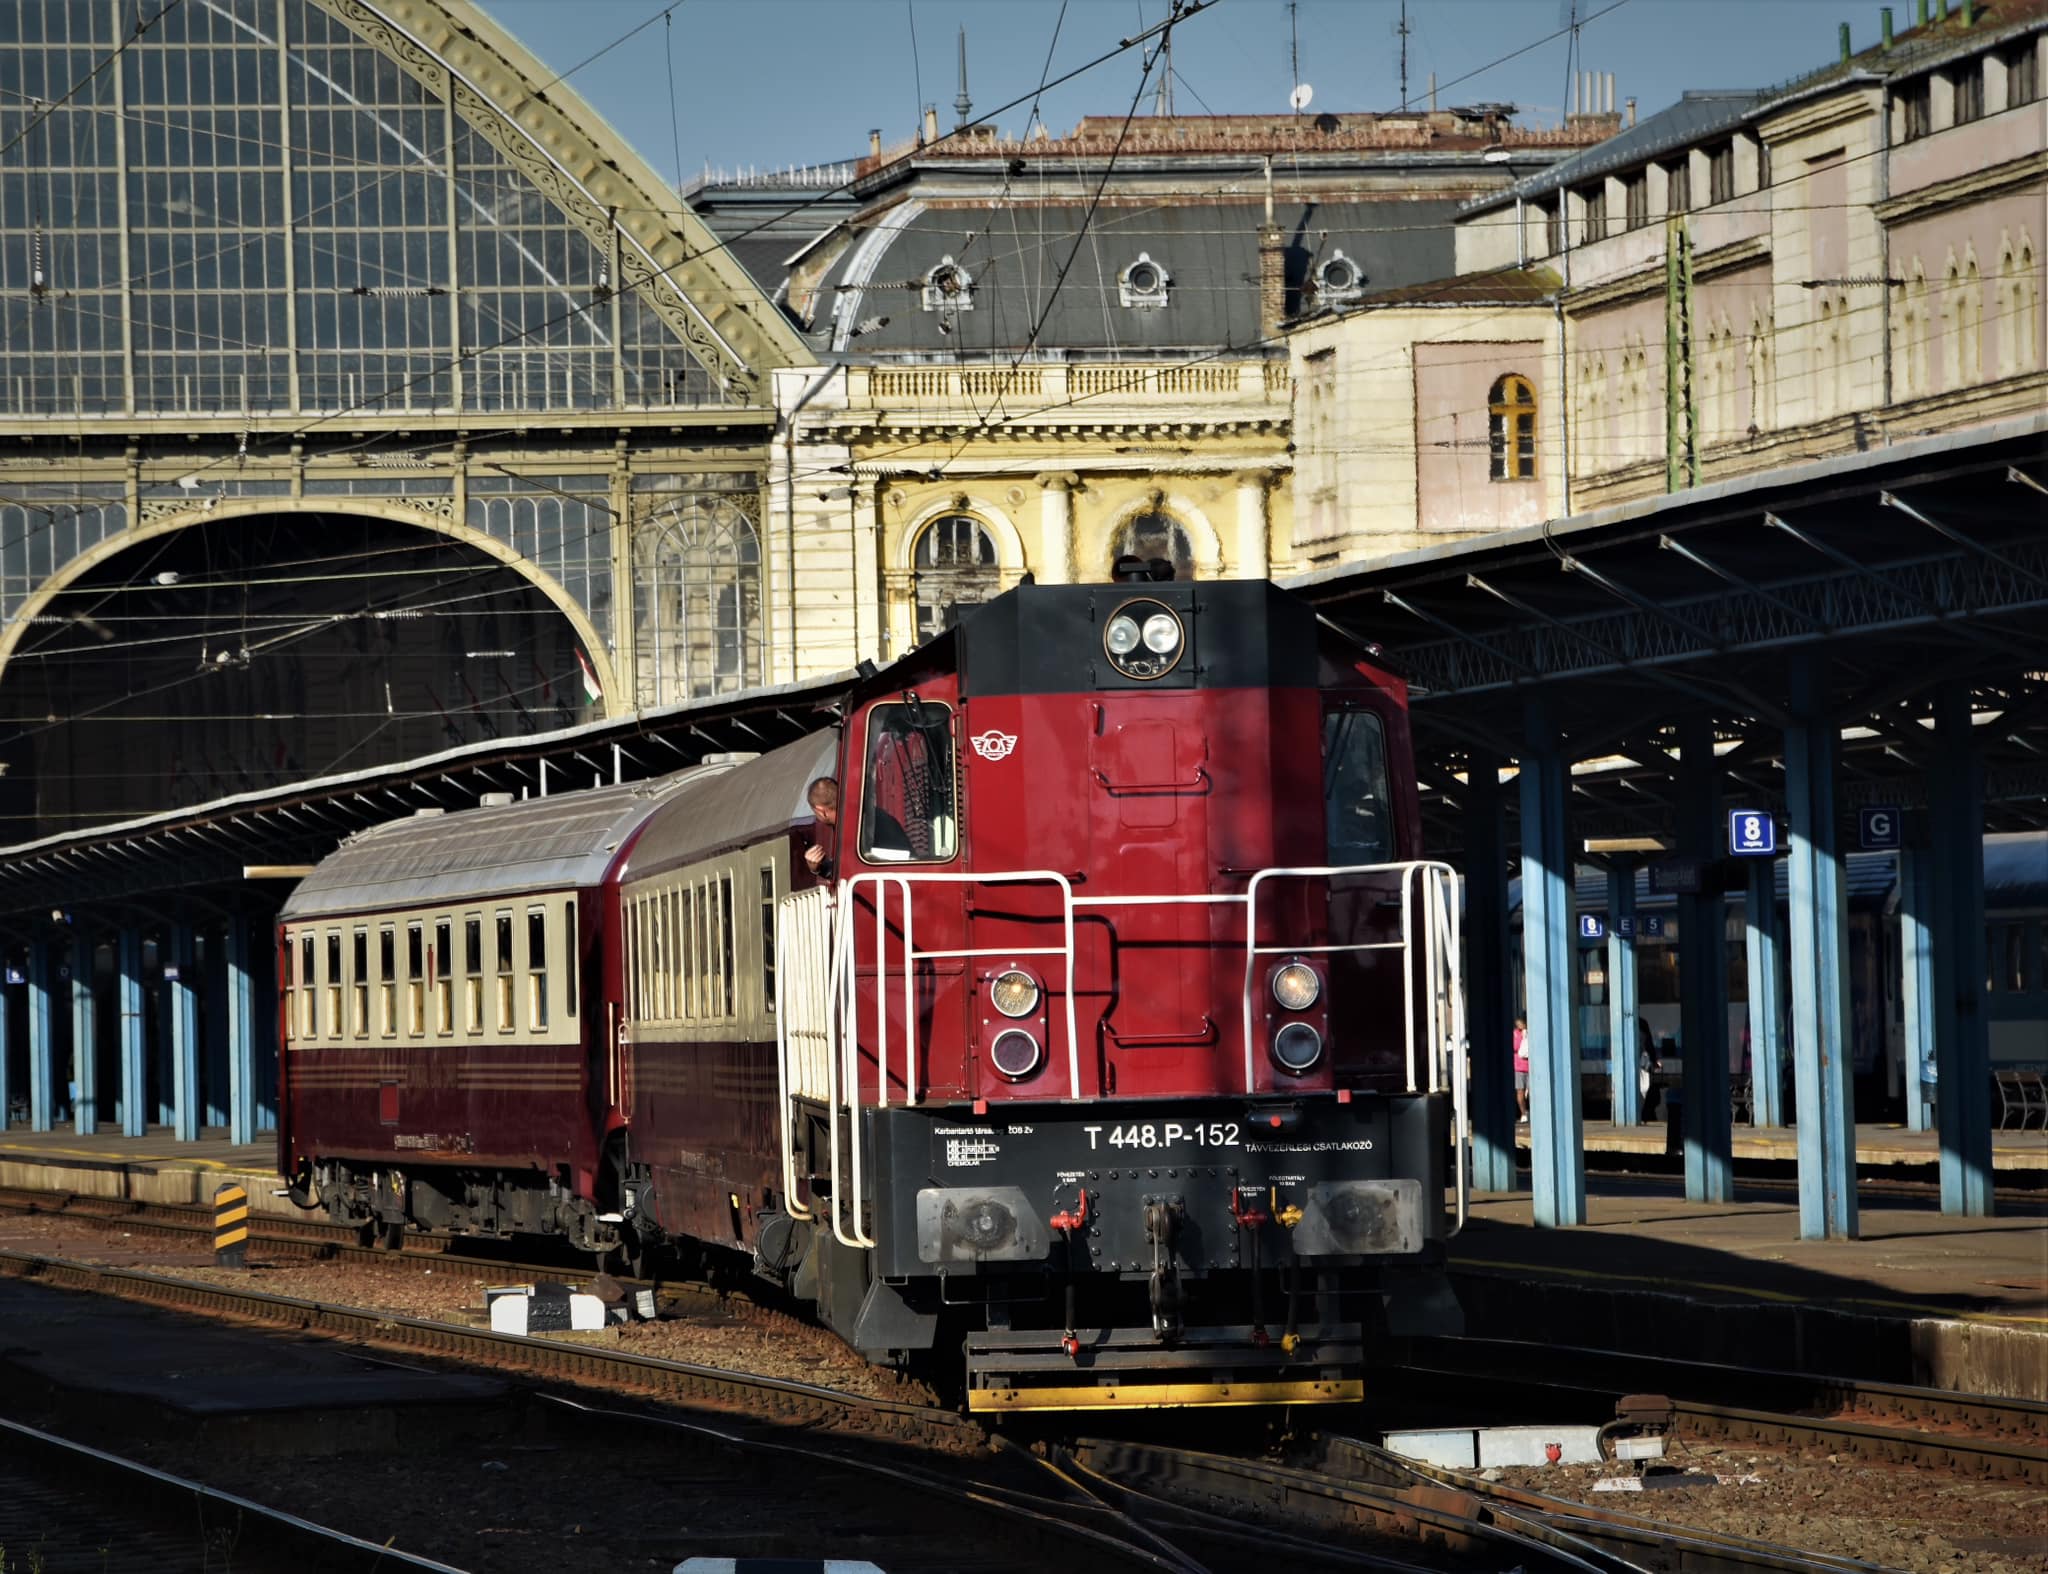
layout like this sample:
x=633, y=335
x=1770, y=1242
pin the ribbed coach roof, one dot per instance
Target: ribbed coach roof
x=755, y=800
x=539, y=844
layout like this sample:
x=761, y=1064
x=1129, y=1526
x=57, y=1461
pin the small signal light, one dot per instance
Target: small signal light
x=1273, y=1121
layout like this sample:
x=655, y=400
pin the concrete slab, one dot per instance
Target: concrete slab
x=1919, y=1298
x=1876, y=1145
x=155, y=1167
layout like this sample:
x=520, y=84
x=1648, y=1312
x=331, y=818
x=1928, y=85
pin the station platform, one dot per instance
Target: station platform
x=1877, y=1146
x=151, y=1168
x=1918, y=1298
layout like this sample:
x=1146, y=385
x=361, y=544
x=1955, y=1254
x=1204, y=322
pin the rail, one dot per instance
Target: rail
x=818, y=1041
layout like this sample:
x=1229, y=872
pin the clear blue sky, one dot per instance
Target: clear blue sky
x=773, y=82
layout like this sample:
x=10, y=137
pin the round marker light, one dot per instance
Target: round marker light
x=1015, y=1053
x=1297, y=1047
x=1014, y=993
x=1145, y=639
x=1296, y=986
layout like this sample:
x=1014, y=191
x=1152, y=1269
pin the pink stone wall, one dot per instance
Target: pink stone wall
x=1455, y=490
x=2001, y=312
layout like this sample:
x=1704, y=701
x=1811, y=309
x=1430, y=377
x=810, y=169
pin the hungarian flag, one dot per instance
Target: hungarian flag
x=591, y=691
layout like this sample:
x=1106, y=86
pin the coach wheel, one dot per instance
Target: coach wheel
x=387, y=1235
x=366, y=1233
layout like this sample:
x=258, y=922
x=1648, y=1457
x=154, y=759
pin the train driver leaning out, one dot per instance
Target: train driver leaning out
x=823, y=796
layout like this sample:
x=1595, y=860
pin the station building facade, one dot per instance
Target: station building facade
x=1741, y=282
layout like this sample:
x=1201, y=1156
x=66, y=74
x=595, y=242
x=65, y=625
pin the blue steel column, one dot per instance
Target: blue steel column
x=1622, y=1031
x=1962, y=1048
x=1820, y=974
x=242, y=1034
x=42, y=1044
x=1916, y=980
x=1489, y=978
x=1557, y=1160
x=1766, y=1035
x=131, y=1099
x=1703, y=977
x=181, y=996
x=85, y=1057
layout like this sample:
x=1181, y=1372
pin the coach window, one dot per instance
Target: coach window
x=504, y=927
x=726, y=919
x=441, y=974
x=387, y=970
x=334, y=976
x=908, y=808
x=768, y=936
x=536, y=968
x=569, y=956
x=359, y=982
x=1356, y=809
x=416, y=980
x=473, y=975
x=309, y=991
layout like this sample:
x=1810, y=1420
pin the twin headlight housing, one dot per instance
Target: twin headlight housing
x=1144, y=639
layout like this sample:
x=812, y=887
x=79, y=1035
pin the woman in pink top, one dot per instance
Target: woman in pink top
x=1522, y=1068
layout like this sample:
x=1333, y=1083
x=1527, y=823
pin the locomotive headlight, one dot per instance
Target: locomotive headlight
x=1014, y=993
x=1297, y=1047
x=1144, y=639
x=1296, y=986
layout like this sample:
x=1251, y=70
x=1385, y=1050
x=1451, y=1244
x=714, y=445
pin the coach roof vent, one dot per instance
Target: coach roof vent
x=730, y=758
x=493, y=800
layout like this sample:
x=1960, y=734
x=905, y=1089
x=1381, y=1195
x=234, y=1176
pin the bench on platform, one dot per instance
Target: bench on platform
x=2022, y=1099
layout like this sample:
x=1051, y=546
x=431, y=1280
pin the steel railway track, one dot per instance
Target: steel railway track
x=1972, y=1434
x=67, y=1509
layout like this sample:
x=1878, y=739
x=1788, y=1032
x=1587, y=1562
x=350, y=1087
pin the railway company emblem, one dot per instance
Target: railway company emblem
x=993, y=745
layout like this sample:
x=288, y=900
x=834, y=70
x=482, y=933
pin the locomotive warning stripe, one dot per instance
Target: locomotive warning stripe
x=1160, y=1396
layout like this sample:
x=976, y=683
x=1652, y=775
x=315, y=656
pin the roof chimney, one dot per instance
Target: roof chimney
x=1884, y=25
x=875, y=142
x=962, y=105
x=931, y=125
x=1631, y=111
x=1847, y=51
x=1272, y=268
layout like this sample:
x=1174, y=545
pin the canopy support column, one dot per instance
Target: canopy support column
x=1490, y=989
x=1962, y=1047
x=1622, y=1029
x=1557, y=1160
x=1703, y=977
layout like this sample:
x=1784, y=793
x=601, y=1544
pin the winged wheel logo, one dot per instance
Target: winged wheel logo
x=993, y=745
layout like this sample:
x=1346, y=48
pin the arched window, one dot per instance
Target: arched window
x=1156, y=535
x=699, y=592
x=1970, y=324
x=2024, y=323
x=955, y=567
x=1511, y=429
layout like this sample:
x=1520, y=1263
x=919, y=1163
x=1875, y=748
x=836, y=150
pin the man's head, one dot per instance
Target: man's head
x=823, y=795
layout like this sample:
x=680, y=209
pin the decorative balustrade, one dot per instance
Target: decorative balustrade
x=1067, y=387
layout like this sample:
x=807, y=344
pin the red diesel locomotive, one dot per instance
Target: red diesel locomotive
x=1113, y=1056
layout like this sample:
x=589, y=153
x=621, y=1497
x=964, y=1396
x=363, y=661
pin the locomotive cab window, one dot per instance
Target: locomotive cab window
x=1357, y=809
x=909, y=808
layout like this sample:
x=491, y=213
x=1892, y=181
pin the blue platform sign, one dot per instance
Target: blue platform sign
x=1653, y=926
x=1592, y=927
x=1625, y=927
x=16, y=976
x=1752, y=833
x=1878, y=828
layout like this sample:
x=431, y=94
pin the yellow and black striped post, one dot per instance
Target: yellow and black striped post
x=230, y=1227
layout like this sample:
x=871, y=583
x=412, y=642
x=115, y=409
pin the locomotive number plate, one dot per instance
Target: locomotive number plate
x=1146, y=1135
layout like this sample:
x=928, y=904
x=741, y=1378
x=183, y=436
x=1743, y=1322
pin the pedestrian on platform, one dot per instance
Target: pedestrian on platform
x=1648, y=1064
x=1521, y=1068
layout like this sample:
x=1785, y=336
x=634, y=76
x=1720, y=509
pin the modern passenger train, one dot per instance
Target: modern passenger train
x=1113, y=1059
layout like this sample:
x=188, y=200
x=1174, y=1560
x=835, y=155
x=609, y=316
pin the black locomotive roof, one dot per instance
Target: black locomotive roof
x=565, y=840
x=1047, y=639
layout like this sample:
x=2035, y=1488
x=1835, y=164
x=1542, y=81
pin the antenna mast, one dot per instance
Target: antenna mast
x=1403, y=31
x=1293, y=48
x=1162, y=102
